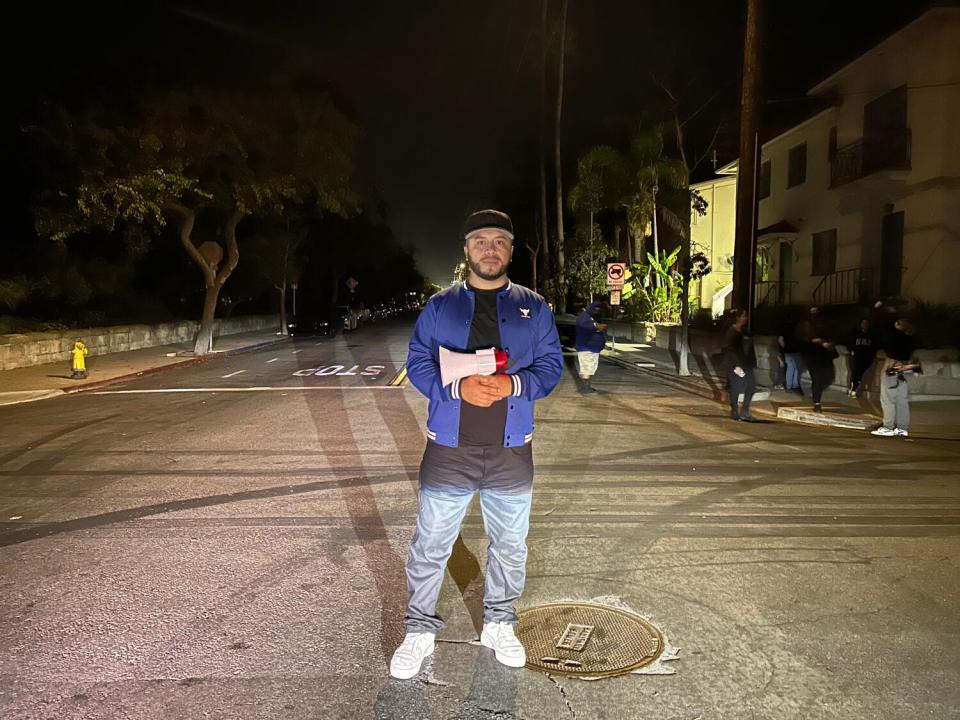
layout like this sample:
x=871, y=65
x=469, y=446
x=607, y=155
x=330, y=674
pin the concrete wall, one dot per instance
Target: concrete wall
x=29, y=349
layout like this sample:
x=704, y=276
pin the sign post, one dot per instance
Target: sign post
x=616, y=275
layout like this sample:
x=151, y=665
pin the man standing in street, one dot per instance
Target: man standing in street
x=479, y=433
x=740, y=361
x=898, y=364
x=590, y=341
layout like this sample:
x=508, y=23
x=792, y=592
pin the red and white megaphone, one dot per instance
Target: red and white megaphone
x=457, y=365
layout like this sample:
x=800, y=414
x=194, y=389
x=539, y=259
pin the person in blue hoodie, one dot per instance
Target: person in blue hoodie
x=479, y=438
x=590, y=342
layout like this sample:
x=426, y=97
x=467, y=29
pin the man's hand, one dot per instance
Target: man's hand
x=602, y=327
x=485, y=390
x=502, y=383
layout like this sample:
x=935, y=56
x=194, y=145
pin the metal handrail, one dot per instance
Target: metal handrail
x=844, y=286
x=774, y=292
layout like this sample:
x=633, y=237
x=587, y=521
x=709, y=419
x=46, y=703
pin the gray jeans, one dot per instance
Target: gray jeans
x=449, y=478
x=895, y=402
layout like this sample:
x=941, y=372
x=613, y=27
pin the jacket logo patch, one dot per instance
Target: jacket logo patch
x=525, y=313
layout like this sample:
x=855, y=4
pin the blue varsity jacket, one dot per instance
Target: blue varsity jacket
x=527, y=334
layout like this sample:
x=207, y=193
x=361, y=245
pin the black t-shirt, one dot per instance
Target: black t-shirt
x=863, y=344
x=481, y=426
x=901, y=346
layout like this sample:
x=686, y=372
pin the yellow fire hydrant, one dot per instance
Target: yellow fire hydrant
x=79, y=352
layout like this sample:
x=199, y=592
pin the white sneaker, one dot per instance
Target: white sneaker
x=500, y=638
x=901, y=433
x=408, y=658
x=884, y=432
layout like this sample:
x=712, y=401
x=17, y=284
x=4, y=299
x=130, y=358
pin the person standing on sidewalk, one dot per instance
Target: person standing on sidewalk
x=590, y=342
x=479, y=433
x=740, y=362
x=818, y=356
x=794, y=360
x=899, y=363
x=862, y=352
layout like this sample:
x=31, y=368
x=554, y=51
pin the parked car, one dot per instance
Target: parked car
x=309, y=325
x=567, y=329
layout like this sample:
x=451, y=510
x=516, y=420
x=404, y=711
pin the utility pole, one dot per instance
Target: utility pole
x=745, y=242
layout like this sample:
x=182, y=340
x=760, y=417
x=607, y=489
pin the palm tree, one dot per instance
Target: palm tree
x=561, y=280
x=544, y=227
x=650, y=171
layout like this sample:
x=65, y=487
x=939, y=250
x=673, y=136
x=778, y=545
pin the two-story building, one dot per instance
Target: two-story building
x=861, y=200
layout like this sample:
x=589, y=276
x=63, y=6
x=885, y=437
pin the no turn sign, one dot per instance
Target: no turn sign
x=616, y=273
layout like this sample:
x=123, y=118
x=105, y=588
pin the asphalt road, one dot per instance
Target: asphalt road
x=227, y=541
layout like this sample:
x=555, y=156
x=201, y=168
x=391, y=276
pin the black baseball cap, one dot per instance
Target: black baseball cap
x=488, y=220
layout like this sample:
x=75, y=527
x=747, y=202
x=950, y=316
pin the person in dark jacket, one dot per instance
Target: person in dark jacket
x=818, y=356
x=862, y=351
x=590, y=342
x=740, y=362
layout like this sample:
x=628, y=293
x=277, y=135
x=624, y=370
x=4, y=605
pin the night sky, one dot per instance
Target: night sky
x=447, y=92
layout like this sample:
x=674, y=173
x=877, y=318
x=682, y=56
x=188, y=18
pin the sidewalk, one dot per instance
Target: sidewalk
x=930, y=418
x=43, y=381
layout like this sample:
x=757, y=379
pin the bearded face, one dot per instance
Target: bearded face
x=488, y=254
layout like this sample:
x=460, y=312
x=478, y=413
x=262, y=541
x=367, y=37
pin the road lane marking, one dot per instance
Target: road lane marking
x=400, y=379
x=296, y=351
x=272, y=360
x=241, y=389
x=230, y=375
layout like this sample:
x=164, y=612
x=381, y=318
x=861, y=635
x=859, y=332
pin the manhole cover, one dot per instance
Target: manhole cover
x=587, y=640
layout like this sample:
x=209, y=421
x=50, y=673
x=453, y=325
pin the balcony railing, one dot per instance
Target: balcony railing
x=891, y=151
x=774, y=292
x=845, y=286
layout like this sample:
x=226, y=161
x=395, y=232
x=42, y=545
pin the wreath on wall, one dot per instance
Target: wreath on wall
x=699, y=266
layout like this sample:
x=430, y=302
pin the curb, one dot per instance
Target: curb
x=27, y=396
x=791, y=414
x=808, y=417
x=97, y=384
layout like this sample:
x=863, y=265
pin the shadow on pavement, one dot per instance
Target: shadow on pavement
x=492, y=695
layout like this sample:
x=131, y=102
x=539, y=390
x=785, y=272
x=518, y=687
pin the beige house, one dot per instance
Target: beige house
x=863, y=199
x=712, y=234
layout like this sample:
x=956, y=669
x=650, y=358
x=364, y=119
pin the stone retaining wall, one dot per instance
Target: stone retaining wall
x=27, y=349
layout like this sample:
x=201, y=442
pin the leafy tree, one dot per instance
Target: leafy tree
x=654, y=290
x=587, y=263
x=14, y=291
x=277, y=252
x=177, y=155
x=600, y=177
